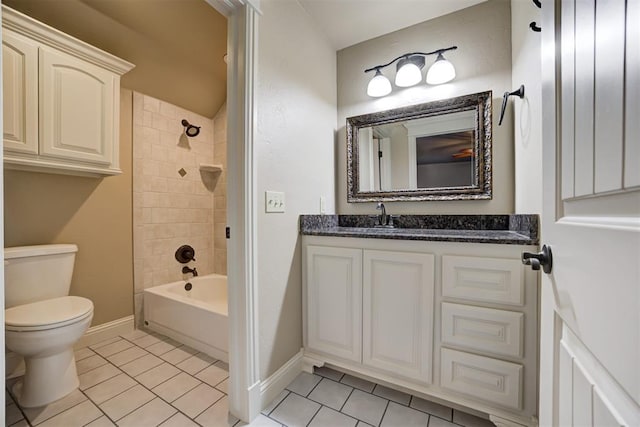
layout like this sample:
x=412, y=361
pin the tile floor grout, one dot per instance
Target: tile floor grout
x=319, y=382
x=99, y=345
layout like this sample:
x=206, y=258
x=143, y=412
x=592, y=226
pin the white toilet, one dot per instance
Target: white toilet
x=42, y=323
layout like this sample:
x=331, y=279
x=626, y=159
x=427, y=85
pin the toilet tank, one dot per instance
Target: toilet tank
x=36, y=273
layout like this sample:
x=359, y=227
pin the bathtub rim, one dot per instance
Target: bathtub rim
x=162, y=290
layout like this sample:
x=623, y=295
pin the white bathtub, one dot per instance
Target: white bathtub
x=197, y=318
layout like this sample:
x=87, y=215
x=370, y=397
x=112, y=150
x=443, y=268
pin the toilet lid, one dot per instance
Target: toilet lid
x=48, y=314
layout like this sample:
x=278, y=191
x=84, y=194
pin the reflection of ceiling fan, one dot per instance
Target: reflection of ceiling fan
x=463, y=153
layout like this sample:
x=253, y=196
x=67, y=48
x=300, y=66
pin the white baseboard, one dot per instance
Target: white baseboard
x=276, y=383
x=102, y=332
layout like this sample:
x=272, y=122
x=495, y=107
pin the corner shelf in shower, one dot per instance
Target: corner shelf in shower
x=207, y=167
x=210, y=174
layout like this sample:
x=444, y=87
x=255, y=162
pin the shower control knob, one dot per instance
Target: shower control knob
x=185, y=253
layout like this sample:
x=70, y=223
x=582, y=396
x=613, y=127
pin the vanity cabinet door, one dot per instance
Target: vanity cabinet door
x=76, y=108
x=334, y=301
x=398, y=307
x=19, y=93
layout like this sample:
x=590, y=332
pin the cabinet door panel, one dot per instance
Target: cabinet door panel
x=20, y=93
x=334, y=301
x=398, y=313
x=76, y=108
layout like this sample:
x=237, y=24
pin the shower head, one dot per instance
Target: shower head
x=189, y=129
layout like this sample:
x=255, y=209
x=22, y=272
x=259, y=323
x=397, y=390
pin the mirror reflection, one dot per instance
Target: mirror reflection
x=434, y=151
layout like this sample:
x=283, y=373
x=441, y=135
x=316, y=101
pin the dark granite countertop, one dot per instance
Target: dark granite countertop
x=503, y=229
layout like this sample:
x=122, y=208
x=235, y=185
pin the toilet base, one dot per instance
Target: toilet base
x=47, y=379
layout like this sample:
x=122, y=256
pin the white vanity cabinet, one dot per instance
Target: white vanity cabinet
x=452, y=321
x=367, y=307
x=60, y=100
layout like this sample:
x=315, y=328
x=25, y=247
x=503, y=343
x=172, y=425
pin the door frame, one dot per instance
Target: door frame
x=242, y=51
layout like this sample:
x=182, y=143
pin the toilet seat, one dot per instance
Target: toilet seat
x=47, y=314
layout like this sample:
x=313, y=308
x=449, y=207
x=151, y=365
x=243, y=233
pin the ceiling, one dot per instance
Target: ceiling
x=178, y=45
x=348, y=22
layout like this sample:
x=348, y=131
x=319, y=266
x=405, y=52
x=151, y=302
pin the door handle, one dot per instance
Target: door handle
x=544, y=259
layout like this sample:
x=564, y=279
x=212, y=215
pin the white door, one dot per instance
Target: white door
x=590, y=315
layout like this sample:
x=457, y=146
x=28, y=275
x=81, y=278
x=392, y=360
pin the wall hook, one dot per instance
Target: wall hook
x=534, y=27
x=518, y=92
x=537, y=3
x=189, y=129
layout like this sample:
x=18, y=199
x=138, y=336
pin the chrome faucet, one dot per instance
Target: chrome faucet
x=383, y=218
x=187, y=270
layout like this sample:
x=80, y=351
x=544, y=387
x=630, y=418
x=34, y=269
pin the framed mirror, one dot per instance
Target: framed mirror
x=438, y=150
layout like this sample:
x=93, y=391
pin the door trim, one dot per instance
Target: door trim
x=244, y=361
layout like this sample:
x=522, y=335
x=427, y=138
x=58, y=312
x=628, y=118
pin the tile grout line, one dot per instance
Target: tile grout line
x=347, y=399
x=15, y=402
x=314, y=415
x=109, y=362
x=385, y=413
x=205, y=410
x=170, y=403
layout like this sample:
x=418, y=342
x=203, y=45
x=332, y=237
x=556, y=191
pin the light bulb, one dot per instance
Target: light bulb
x=441, y=71
x=379, y=85
x=409, y=73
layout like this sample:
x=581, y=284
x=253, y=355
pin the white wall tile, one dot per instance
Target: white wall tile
x=173, y=210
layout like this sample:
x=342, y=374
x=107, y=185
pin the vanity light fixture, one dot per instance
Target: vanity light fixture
x=408, y=72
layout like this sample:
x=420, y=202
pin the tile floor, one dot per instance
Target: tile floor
x=146, y=379
x=139, y=379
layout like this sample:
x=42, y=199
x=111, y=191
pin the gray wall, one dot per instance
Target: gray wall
x=296, y=104
x=483, y=62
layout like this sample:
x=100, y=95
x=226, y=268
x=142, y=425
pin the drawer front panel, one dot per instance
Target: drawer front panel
x=483, y=329
x=495, y=280
x=494, y=381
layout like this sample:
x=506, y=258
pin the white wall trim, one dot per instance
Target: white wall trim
x=228, y=7
x=244, y=367
x=276, y=383
x=104, y=331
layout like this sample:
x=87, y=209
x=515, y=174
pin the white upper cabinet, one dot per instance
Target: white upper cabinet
x=20, y=93
x=61, y=100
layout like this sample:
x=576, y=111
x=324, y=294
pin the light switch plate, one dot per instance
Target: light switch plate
x=274, y=201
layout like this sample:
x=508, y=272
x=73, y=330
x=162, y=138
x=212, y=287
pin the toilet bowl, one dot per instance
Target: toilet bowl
x=42, y=323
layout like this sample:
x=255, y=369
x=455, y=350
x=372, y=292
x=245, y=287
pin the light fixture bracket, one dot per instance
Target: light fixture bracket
x=417, y=60
x=407, y=55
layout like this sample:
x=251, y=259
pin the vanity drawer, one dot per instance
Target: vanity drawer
x=484, y=378
x=495, y=280
x=483, y=329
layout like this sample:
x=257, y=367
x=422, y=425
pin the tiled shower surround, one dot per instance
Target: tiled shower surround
x=173, y=201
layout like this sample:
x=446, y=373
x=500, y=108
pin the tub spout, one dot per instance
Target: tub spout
x=187, y=270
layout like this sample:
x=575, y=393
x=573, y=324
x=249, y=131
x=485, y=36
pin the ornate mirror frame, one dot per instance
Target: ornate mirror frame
x=480, y=189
